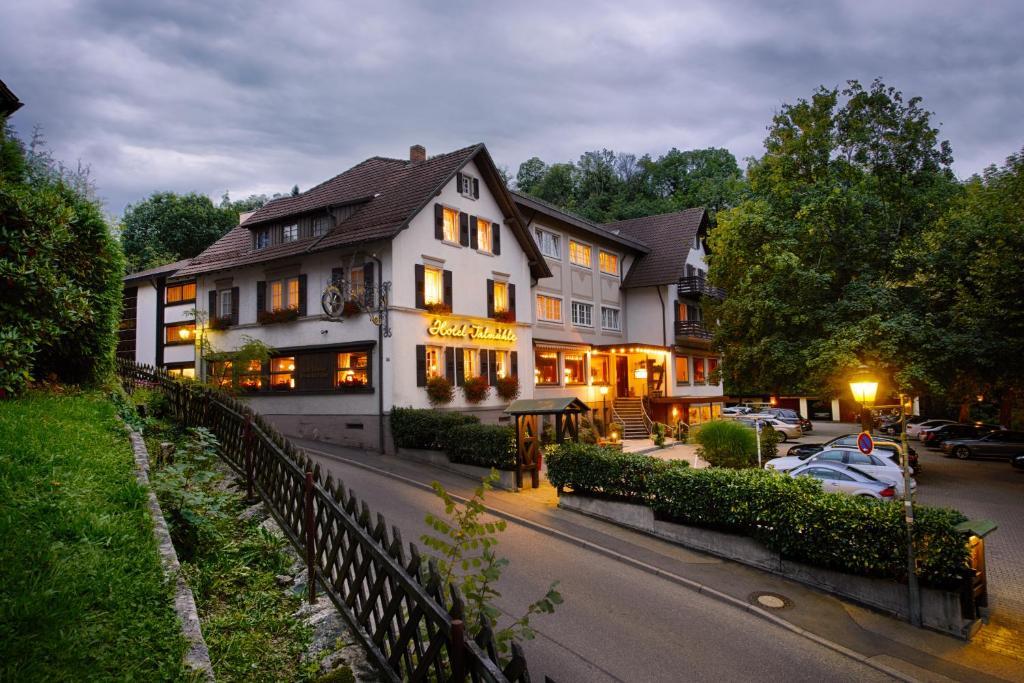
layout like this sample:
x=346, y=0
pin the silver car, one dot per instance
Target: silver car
x=839, y=478
x=785, y=430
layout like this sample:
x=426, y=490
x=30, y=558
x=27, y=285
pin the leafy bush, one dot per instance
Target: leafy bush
x=658, y=434
x=507, y=387
x=606, y=472
x=475, y=389
x=791, y=516
x=482, y=445
x=440, y=391
x=769, y=442
x=418, y=428
x=724, y=443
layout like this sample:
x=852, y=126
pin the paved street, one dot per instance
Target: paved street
x=619, y=623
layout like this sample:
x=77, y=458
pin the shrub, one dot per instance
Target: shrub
x=475, y=389
x=658, y=434
x=507, y=388
x=440, y=391
x=606, y=472
x=482, y=445
x=417, y=428
x=724, y=443
x=769, y=442
x=791, y=516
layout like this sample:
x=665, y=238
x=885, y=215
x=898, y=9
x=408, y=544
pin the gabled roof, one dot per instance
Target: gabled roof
x=9, y=102
x=388, y=193
x=534, y=204
x=670, y=237
x=167, y=269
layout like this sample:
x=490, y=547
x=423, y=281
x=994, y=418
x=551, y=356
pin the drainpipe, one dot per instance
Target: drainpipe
x=380, y=358
x=664, y=335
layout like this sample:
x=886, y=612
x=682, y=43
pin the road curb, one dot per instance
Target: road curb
x=648, y=568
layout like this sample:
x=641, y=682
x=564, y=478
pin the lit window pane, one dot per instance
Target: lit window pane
x=451, y=225
x=353, y=369
x=282, y=373
x=609, y=263
x=546, y=367
x=276, y=293
x=574, y=363
x=293, y=292
x=500, y=297
x=483, y=235
x=579, y=254
x=433, y=285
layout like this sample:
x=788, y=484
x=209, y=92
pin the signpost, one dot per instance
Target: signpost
x=865, y=443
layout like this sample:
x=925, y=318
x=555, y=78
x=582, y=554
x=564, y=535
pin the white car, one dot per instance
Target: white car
x=785, y=430
x=879, y=464
x=735, y=411
x=914, y=430
x=838, y=478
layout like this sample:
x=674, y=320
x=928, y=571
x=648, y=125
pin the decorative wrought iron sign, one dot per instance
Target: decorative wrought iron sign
x=342, y=299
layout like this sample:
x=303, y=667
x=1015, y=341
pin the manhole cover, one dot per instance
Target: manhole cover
x=770, y=600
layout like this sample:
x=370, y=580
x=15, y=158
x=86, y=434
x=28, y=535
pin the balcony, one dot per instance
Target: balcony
x=691, y=331
x=695, y=287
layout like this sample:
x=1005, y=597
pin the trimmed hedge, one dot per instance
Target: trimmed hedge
x=418, y=428
x=791, y=516
x=724, y=443
x=482, y=445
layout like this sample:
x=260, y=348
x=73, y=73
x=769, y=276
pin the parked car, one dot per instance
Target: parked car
x=1000, y=444
x=789, y=415
x=785, y=430
x=1018, y=462
x=881, y=464
x=734, y=411
x=891, y=425
x=914, y=430
x=839, y=478
x=885, y=443
x=934, y=437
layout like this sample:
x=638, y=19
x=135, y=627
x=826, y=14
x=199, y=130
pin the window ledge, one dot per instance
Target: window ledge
x=457, y=245
x=484, y=252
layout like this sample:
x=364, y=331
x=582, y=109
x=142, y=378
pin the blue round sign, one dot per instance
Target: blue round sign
x=865, y=443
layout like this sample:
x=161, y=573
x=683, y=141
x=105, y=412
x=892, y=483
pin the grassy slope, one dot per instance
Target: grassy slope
x=82, y=595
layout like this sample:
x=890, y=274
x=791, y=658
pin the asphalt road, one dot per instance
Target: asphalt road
x=618, y=623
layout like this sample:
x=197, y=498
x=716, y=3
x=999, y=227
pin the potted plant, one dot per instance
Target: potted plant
x=507, y=388
x=475, y=389
x=439, y=391
x=282, y=315
x=505, y=316
x=438, y=308
x=351, y=308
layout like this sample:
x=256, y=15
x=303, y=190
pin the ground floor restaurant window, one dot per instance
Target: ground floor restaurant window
x=546, y=367
x=575, y=368
x=353, y=369
x=434, y=361
x=700, y=413
x=282, y=376
x=319, y=371
x=600, y=369
x=184, y=371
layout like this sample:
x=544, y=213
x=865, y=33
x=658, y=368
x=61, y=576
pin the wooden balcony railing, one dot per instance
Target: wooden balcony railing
x=694, y=286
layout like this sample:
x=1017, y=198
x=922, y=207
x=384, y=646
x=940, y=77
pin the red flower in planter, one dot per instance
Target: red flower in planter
x=505, y=316
x=507, y=388
x=475, y=389
x=439, y=391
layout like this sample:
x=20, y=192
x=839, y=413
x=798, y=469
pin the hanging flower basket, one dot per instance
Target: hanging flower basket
x=351, y=308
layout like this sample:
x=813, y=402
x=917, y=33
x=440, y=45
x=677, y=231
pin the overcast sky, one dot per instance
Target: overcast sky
x=258, y=96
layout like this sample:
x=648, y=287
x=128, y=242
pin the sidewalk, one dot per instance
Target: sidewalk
x=917, y=653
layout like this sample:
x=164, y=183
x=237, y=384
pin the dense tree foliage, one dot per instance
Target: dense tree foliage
x=60, y=268
x=814, y=260
x=605, y=185
x=167, y=227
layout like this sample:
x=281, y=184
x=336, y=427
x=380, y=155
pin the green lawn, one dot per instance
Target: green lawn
x=82, y=595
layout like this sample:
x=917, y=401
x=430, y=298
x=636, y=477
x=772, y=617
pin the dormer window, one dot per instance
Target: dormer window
x=469, y=186
x=263, y=238
x=290, y=233
x=321, y=224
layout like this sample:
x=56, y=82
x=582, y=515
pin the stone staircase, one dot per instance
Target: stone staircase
x=630, y=412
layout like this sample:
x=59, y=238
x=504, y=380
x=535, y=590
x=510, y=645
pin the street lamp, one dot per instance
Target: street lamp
x=604, y=407
x=864, y=387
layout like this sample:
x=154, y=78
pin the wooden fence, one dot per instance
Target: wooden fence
x=392, y=597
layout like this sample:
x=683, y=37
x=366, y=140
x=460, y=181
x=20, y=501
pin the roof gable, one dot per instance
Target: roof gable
x=536, y=206
x=670, y=237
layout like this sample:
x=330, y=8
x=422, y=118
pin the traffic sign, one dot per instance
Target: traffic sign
x=865, y=443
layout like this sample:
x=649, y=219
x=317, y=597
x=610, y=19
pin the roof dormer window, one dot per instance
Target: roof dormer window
x=263, y=238
x=469, y=186
x=290, y=233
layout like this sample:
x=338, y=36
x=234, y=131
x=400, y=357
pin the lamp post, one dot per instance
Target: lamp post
x=604, y=408
x=864, y=387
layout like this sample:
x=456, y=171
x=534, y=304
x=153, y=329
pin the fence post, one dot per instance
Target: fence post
x=458, y=634
x=247, y=447
x=310, y=538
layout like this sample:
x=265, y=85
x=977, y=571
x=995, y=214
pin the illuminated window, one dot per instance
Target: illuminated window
x=501, y=367
x=698, y=371
x=183, y=333
x=483, y=235
x=582, y=314
x=220, y=373
x=549, y=308
x=579, y=254
x=500, y=297
x=284, y=293
x=682, y=369
x=353, y=369
x=574, y=368
x=282, y=373
x=451, y=225
x=433, y=285
x=550, y=244
x=705, y=413
x=716, y=411
x=263, y=238
x=599, y=369
x=470, y=366
x=608, y=262
x=611, y=319
x=252, y=378
x=693, y=415
x=546, y=367
x=712, y=366
x=181, y=293
x=290, y=233
x=435, y=361
x=188, y=372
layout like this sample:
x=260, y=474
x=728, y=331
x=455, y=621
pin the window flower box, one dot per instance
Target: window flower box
x=438, y=308
x=507, y=388
x=505, y=316
x=475, y=389
x=284, y=315
x=218, y=323
x=440, y=391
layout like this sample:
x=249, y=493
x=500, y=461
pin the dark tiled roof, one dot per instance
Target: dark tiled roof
x=167, y=269
x=9, y=102
x=391, y=192
x=531, y=202
x=669, y=236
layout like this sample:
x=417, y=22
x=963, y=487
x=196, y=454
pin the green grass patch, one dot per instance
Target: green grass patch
x=82, y=593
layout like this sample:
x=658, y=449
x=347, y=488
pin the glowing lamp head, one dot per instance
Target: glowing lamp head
x=604, y=391
x=184, y=333
x=863, y=386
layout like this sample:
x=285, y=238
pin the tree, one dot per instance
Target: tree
x=812, y=259
x=530, y=174
x=167, y=227
x=250, y=203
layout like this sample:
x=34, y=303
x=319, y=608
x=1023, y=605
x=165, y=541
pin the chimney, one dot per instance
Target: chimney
x=417, y=153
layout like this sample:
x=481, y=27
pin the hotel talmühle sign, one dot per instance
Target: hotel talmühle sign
x=468, y=330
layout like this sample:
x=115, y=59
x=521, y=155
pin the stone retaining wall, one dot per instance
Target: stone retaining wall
x=439, y=459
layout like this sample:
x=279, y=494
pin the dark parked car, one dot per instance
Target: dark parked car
x=881, y=443
x=1001, y=444
x=934, y=438
x=1018, y=461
